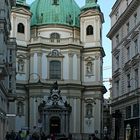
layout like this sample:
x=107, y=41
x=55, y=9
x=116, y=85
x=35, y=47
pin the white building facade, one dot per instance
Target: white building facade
x=63, y=44
x=125, y=37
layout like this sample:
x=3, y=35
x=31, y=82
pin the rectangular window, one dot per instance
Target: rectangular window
x=128, y=53
x=127, y=27
x=128, y=81
x=117, y=39
x=117, y=87
x=136, y=110
x=55, y=70
x=10, y=56
x=136, y=78
x=10, y=81
x=136, y=46
x=135, y=18
x=117, y=61
x=128, y=112
x=117, y=15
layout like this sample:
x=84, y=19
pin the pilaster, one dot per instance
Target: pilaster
x=70, y=65
x=78, y=67
x=31, y=65
x=39, y=57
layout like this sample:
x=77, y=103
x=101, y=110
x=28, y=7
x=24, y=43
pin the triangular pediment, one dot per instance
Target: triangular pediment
x=89, y=13
x=21, y=10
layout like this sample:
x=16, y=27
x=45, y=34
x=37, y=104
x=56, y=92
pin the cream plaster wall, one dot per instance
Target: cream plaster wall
x=91, y=40
x=64, y=33
x=16, y=18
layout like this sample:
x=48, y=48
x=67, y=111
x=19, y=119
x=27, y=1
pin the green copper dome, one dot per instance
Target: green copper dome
x=65, y=12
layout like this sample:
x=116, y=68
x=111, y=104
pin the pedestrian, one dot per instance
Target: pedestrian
x=52, y=136
x=35, y=136
x=94, y=137
x=42, y=135
x=28, y=136
x=12, y=135
x=7, y=136
x=18, y=137
x=106, y=138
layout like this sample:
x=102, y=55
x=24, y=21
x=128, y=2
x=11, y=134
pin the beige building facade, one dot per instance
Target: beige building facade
x=59, y=67
x=125, y=37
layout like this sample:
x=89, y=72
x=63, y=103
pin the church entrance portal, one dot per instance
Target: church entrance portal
x=55, y=125
x=55, y=112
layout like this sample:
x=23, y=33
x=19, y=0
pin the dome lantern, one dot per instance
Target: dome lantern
x=90, y=4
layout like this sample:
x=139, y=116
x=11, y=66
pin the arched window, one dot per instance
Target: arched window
x=55, y=69
x=20, y=28
x=55, y=36
x=89, y=110
x=20, y=108
x=89, y=30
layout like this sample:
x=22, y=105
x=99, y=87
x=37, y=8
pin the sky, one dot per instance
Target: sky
x=105, y=6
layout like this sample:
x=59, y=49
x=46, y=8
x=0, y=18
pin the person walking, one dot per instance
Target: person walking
x=12, y=135
x=7, y=136
x=18, y=137
x=28, y=136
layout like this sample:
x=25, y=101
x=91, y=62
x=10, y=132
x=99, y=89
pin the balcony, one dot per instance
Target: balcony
x=135, y=59
x=127, y=65
x=61, y=41
x=116, y=73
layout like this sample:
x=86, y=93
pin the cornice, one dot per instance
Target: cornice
x=125, y=97
x=94, y=49
x=57, y=46
x=123, y=18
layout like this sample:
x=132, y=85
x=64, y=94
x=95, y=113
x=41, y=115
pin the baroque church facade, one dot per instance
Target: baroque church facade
x=59, y=66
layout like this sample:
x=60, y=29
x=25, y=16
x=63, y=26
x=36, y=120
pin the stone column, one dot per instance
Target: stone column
x=39, y=55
